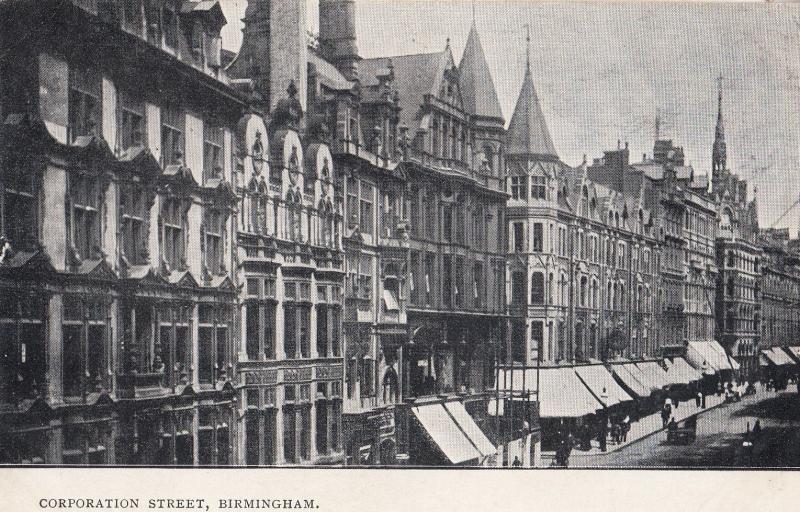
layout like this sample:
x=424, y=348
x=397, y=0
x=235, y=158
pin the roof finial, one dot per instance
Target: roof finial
x=527, y=45
x=658, y=123
x=473, y=12
x=447, y=43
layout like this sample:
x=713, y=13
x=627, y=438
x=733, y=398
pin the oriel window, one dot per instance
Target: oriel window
x=213, y=343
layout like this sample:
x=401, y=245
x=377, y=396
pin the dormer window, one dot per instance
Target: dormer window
x=519, y=187
x=538, y=187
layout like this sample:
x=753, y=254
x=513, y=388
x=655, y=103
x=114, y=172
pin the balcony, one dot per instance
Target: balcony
x=141, y=385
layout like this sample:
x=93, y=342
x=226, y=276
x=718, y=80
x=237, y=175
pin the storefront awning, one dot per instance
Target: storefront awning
x=712, y=354
x=469, y=427
x=633, y=381
x=794, y=353
x=778, y=357
x=561, y=392
x=654, y=373
x=681, y=372
x=602, y=384
x=444, y=432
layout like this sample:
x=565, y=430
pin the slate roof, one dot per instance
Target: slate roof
x=475, y=80
x=414, y=76
x=528, y=133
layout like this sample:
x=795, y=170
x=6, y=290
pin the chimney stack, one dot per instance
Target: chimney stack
x=337, y=35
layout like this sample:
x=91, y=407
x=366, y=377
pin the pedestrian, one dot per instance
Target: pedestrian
x=517, y=463
x=603, y=434
x=757, y=428
x=665, y=414
x=698, y=399
x=626, y=426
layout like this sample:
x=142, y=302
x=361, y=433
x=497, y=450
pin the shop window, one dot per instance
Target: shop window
x=85, y=444
x=322, y=428
x=289, y=434
x=86, y=198
x=134, y=223
x=28, y=447
x=85, y=331
x=22, y=346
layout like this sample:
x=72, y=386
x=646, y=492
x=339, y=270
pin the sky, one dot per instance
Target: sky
x=603, y=70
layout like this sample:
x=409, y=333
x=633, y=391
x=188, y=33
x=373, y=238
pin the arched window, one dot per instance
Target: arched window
x=390, y=387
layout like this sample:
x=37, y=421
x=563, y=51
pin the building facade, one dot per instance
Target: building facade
x=118, y=211
x=739, y=258
x=780, y=307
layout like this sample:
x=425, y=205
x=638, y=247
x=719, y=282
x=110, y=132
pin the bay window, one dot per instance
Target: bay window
x=366, y=207
x=519, y=187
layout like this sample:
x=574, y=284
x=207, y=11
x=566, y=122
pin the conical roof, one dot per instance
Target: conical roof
x=527, y=132
x=475, y=80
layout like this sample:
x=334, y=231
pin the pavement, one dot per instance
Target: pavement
x=650, y=425
x=721, y=431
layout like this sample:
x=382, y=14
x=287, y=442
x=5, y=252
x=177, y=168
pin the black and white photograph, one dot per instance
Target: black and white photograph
x=397, y=235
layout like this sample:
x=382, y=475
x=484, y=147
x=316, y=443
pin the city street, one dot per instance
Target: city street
x=720, y=433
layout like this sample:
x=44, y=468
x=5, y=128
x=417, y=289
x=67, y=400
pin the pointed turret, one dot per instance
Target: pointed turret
x=528, y=133
x=475, y=80
x=718, y=153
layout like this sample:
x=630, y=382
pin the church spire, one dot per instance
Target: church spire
x=718, y=154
